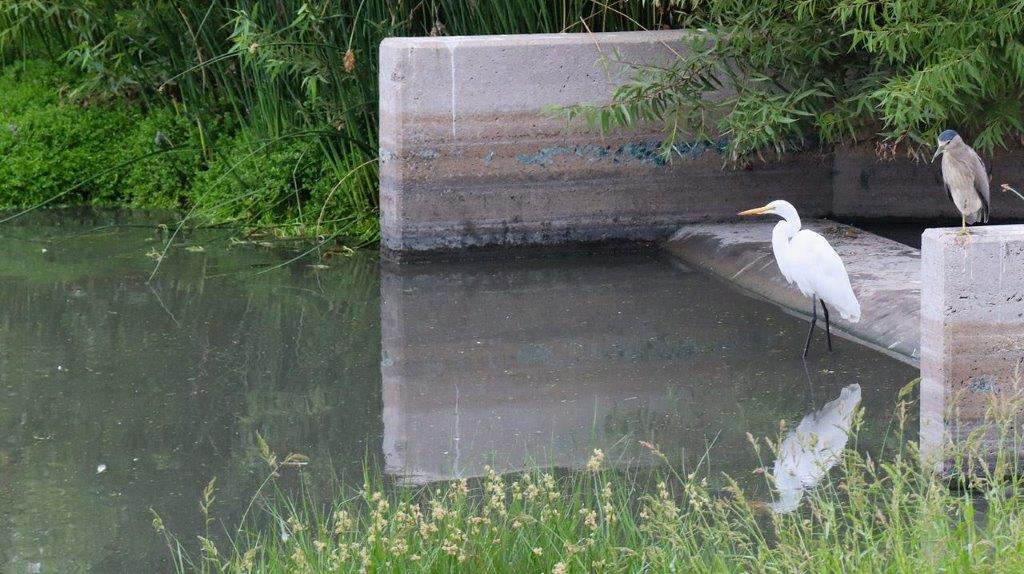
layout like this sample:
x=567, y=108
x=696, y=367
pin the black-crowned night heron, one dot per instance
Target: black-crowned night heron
x=807, y=259
x=964, y=176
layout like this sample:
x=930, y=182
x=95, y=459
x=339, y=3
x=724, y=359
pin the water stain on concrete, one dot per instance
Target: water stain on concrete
x=546, y=156
x=645, y=152
x=983, y=384
x=426, y=153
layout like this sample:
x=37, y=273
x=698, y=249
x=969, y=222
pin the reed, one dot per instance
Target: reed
x=288, y=84
x=885, y=515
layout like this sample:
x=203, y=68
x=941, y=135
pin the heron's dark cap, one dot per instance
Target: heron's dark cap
x=947, y=135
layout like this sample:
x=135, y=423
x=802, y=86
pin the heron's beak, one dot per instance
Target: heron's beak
x=938, y=152
x=755, y=211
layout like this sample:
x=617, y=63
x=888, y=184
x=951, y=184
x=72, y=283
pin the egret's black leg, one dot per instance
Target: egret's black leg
x=810, y=384
x=814, y=319
x=828, y=328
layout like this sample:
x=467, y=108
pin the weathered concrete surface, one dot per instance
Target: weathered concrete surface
x=972, y=333
x=884, y=274
x=864, y=186
x=468, y=158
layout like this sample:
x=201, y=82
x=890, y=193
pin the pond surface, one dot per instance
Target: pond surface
x=120, y=396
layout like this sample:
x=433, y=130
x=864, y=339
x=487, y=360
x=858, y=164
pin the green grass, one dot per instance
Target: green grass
x=890, y=515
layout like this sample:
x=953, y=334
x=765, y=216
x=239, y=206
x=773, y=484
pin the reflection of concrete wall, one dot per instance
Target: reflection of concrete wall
x=509, y=361
x=972, y=338
x=482, y=364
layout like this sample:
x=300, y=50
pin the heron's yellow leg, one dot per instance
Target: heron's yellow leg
x=964, y=235
x=963, y=226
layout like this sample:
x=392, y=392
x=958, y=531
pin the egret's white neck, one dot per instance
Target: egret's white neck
x=790, y=223
x=780, y=244
x=781, y=234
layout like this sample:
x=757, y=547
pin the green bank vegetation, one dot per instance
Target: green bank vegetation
x=884, y=515
x=264, y=114
x=253, y=113
x=893, y=74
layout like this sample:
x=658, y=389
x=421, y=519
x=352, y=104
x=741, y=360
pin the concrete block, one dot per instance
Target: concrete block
x=972, y=333
x=468, y=158
x=864, y=186
x=884, y=275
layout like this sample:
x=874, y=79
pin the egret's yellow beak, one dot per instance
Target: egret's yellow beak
x=755, y=211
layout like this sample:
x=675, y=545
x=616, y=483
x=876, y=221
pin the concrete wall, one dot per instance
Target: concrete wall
x=972, y=337
x=468, y=158
x=864, y=186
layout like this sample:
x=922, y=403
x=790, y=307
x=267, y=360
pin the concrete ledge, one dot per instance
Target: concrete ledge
x=972, y=335
x=469, y=159
x=885, y=276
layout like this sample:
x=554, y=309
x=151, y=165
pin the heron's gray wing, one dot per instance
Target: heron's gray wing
x=980, y=182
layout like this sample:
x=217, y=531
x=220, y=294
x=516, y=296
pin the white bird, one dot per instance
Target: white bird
x=815, y=446
x=807, y=259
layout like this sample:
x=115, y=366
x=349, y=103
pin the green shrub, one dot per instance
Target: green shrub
x=260, y=184
x=832, y=71
x=163, y=180
x=49, y=148
x=277, y=70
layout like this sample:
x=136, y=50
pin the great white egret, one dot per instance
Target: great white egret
x=963, y=174
x=807, y=259
x=812, y=448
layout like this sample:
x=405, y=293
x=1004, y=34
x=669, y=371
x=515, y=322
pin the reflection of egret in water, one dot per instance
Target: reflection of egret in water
x=815, y=446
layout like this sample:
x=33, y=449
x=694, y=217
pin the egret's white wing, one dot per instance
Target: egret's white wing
x=818, y=267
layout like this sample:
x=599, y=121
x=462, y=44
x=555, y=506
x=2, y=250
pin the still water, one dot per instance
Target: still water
x=118, y=396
